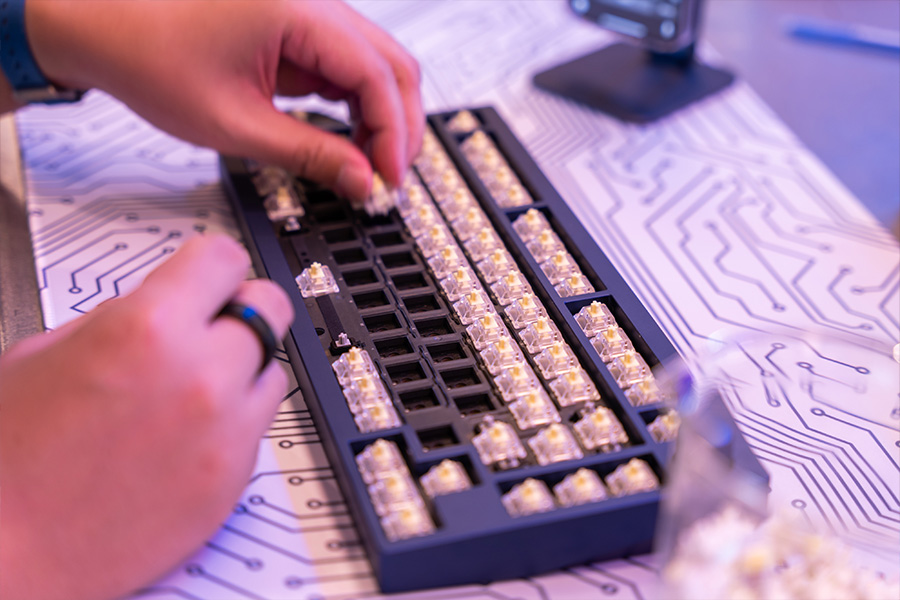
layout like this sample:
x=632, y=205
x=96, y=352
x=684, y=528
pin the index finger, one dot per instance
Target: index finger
x=406, y=72
x=332, y=49
x=207, y=270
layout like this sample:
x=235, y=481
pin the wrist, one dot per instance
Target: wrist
x=26, y=79
x=7, y=99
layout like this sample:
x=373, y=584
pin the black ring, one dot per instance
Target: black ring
x=257, y=324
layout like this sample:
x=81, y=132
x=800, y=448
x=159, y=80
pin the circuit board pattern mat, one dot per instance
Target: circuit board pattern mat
x=717, y=217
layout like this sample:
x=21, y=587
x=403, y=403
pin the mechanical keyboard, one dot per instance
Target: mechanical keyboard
x=481, y=376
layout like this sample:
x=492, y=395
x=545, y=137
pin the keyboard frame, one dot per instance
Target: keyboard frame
x=477, y=541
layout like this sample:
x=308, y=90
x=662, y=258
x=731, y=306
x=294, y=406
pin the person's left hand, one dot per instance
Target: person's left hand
x=127, y=434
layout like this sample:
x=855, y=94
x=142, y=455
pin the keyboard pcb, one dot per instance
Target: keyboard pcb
x=480, y=373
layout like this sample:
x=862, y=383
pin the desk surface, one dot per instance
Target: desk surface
x=717, y=216
x=842, y=101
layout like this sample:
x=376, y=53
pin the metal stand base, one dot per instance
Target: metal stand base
x=633, y=84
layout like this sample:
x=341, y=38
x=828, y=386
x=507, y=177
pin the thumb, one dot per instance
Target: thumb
x=270, y=136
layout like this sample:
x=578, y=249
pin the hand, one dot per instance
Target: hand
x=127, y=434
x=206, y=71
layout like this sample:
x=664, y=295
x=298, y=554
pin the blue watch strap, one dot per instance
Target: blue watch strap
x=17, y=61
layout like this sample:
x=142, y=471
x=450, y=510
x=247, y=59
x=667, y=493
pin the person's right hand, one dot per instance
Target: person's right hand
x=206, y=71
x=127, y=435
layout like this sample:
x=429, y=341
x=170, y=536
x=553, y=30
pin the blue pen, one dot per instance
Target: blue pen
x=842, y=33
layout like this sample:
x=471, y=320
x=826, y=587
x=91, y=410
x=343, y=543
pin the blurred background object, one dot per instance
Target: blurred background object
x=648, y=77
x=841, y=100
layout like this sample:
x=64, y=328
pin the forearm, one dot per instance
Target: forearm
x=79, y=43
x=7, y=102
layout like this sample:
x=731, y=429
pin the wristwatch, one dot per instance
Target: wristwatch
x=16, y=60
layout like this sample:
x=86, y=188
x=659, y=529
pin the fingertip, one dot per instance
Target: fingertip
x=228, y=248
x=389, y=158
x=271, y=385
x=206, y=270
x=416, y=135
x=354, y=181
x=312, y=153
x=218, y=245
x=270, y=300
x=265, y=395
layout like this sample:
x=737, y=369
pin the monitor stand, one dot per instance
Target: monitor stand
x=632, y=83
